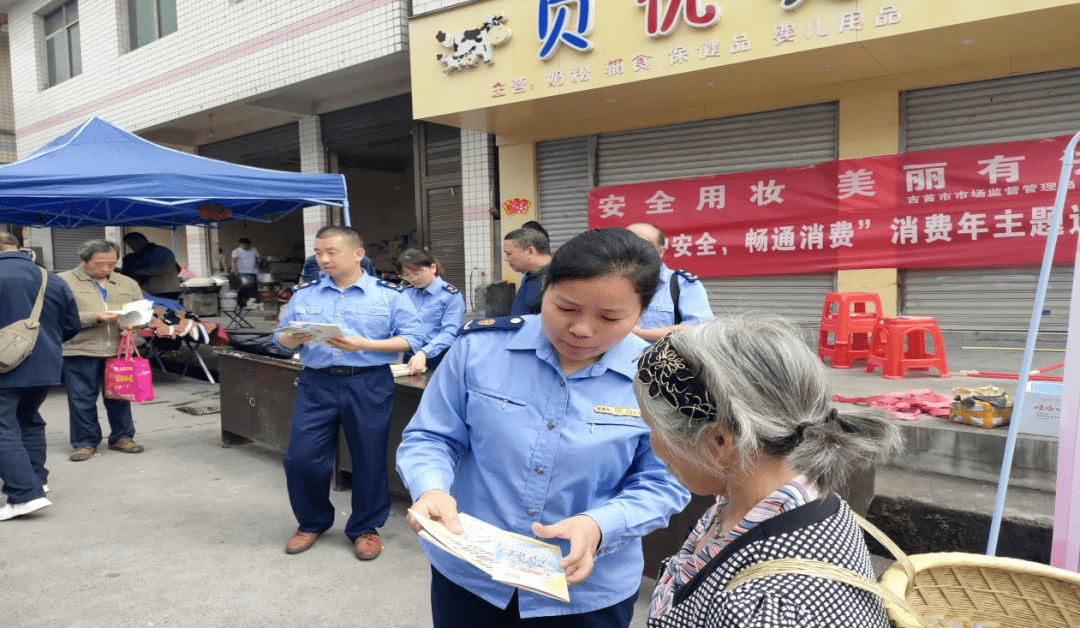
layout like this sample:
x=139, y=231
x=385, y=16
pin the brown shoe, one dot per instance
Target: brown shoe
x=82, y=453
x=127, y=446
x=300, y=542
x=368, y=546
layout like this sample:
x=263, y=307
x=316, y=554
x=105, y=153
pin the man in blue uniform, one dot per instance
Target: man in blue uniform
x=23, y=389
x=680, y=300
x=528, y=252
x=346, y=382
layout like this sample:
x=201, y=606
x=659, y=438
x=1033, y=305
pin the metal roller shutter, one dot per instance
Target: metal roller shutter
x=563, y=184
x=277, y=148
x=985, y=112
x=772, y=139
x=447, y=233
x=66, y=243
x=368, y=124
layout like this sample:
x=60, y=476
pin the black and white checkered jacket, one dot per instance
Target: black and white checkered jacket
x=821, y=530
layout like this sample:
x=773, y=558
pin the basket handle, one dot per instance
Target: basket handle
x=898, y=554
x=826, y=571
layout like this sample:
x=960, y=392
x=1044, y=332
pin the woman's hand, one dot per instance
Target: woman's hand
x=438, y=506
x=418, y=363
x=584, y=536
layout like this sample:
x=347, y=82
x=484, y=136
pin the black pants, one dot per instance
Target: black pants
x=453, y=606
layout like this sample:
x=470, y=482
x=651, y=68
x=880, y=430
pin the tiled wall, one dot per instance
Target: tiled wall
x=427, y=6
x=222, y=52
x=478, y=184
x=7, y=111
x=312, y=159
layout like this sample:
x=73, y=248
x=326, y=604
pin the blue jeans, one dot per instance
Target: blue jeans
x=84, y=378
x=22, y=443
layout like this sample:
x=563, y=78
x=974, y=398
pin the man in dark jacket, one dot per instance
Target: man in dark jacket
x=23, y=389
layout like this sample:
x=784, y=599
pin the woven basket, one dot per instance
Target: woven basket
x=972, y=587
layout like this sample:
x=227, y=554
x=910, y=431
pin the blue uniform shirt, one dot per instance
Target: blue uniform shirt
x=514, y=441
x=693, y=302
x=440, y=307
x=527, y=299
x=370, y=308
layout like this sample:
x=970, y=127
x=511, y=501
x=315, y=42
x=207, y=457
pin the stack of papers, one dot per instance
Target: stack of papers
x=401, y=370
x=322, y=331
x=510, y=558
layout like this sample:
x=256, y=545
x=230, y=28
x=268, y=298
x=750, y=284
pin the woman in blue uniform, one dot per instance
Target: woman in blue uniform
x=531, y=425
x=439, y=305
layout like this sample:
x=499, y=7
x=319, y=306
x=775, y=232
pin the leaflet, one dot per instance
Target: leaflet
x=323, y=332
x=134, y=314
x=510, y=558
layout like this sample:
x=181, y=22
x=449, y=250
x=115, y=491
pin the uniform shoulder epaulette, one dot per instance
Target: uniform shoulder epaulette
x=689, y=276
x=505, y=322
x=309, y=284
x=450, y=289
x=390, y=284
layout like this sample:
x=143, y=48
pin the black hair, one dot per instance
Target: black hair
x=135, y=236
x=348, y=235
x=245, y=241
x=418, y=257
x=609, y=251
x=524, y=238
x=532, y=224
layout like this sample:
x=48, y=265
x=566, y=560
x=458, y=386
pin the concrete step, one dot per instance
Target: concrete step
x=927, y=512
x=941, y=446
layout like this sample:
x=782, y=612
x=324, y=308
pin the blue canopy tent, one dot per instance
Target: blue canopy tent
x=98, y=174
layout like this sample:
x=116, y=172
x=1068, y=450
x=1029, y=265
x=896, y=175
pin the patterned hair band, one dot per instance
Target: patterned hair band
x=668, y=376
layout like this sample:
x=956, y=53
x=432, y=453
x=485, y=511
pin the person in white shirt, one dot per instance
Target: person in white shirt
x=245, y=260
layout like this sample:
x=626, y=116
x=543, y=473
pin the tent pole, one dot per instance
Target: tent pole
x=345, y=213
x=1029, y=346
x=174, y=240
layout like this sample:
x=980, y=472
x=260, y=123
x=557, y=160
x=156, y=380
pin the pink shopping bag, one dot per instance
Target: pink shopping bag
x=126, y=377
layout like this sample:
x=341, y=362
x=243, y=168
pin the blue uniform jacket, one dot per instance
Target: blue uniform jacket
x=370, y=308
x=440, y=307
x=693, y=302
x=20, y=280
x=514, y=441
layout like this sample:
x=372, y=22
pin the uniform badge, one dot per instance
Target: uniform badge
x=616, y=410
x=480, y=324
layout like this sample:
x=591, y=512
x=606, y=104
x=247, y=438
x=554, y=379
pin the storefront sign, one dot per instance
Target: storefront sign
x=973, y=206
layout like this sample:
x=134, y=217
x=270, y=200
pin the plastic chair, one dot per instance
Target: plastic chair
x=888, y=350
x=850, y=323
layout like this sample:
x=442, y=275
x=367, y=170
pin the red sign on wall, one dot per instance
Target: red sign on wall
x=973, y=206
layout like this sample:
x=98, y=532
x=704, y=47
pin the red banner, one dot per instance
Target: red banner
x=973, y=206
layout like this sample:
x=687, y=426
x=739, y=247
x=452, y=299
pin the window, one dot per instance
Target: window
x=150, y=20
x=63, y=56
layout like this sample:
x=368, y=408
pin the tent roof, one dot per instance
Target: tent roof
x=98, y=174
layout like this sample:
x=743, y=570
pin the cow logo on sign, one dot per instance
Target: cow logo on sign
x=472, y=46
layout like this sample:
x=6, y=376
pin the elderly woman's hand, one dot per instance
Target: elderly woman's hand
x=584, y=536
x=438, y=506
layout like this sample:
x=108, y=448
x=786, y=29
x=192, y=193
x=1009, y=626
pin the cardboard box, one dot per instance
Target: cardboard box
x=1042, y=409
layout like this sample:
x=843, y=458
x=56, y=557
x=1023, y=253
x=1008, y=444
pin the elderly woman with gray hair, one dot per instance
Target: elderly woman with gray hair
x=740, y=409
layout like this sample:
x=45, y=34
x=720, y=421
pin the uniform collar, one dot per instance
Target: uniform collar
x=366, y=283
x=434, y=287
x=622, y=358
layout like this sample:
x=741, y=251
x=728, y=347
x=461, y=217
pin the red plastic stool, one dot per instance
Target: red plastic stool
x=851, y=325
x=888, y=351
